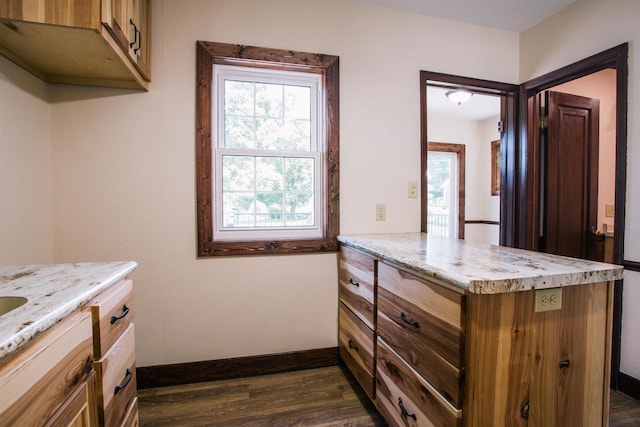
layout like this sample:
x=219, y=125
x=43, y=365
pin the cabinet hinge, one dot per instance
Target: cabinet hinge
x=544, y=122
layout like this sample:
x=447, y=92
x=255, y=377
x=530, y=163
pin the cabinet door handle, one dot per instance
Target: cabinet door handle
x=352, y=345
x=139, y=38
x=354, y=283
x=127, y=379
x=125, y=311
x=404, y=411
x=135, y=33
x=408, y=321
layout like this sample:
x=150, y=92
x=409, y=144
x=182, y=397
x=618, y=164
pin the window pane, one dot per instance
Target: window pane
x=238, y=98
x=238, y=210
x=269, y=175
x=238, y=173
x=270, y=214
x=299, y=210
x=299, y=174
x=268, y=134
x=269, y=100
x=297, y=102
x=238, y=132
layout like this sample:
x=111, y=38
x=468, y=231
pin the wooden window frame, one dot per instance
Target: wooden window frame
x=207, y=55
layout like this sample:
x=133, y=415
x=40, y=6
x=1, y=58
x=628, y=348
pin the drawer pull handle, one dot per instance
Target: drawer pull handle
x=354, y=283
x=127, y=379
x=406, y=413
x=409, y=322
x=125, y=311
x=352, y=345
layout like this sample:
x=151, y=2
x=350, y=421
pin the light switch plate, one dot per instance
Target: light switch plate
x=412, y=190
x=609, y=211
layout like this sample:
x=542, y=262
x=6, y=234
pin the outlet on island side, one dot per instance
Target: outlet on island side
x=381, y=212
x=548, y=299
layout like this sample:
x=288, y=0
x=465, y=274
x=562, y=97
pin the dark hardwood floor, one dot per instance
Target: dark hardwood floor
x=316, y=397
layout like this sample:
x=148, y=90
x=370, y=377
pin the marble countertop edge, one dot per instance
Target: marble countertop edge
x=539, y=270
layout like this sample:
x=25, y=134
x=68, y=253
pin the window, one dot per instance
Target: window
x=267, y=151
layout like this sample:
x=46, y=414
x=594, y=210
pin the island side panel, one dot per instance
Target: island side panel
x=538, y=369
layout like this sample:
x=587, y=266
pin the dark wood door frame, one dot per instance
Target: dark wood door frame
x=529, y=173
x=508, y=147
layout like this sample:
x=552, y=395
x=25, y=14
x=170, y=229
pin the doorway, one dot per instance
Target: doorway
x=531, y=186
x=503, y=129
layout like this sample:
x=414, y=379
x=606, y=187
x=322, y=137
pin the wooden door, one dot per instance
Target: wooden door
x=571, y=175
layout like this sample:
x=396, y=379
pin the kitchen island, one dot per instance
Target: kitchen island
x=67, y=344
x=443, y=332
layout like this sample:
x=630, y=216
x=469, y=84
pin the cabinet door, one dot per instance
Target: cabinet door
x=128, y=23
x=141, y=49
x=77, y=411
x=115, y=17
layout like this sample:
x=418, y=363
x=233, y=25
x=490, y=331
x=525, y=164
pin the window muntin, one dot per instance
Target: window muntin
x=268, y=154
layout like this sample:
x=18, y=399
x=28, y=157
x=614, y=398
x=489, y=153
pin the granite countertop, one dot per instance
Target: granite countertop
x=481, y=268
x=53, y=292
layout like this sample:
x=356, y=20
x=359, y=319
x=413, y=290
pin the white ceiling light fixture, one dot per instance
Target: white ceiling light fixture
x=458, y=96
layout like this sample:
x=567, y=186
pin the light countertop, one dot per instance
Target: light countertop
x=53, y=292
x=481, y=268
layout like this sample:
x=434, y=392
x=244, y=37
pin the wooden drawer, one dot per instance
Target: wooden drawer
x=356, y=289
x=131, y=419
x=116, y=379
x=403, y=397
x=40, y=380
x=424, y=324
x=356, y=342
x=112, y=313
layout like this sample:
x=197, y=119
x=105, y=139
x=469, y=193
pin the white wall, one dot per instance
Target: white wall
x=583, y=29
x=124, y=177
x=25, y=168
x=476, y=136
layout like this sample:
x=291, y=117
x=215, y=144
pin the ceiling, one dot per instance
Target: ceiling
x=479, y=107
x=509, y=15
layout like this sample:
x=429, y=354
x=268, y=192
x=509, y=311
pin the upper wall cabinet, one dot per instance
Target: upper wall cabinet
x=86, y=42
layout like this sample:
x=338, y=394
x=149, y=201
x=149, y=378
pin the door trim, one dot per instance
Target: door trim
x=528, y=185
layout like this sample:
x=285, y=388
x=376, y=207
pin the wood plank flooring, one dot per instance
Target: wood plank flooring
x=316, y=397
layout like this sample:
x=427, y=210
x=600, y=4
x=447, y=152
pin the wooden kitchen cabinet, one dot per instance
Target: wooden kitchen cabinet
x=49, y=382
x=447, y=357
x=88, y=42
x=114, y=353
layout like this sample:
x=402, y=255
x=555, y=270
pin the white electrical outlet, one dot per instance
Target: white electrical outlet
x=548, y=299
x=412, y=190
x=381, y=212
